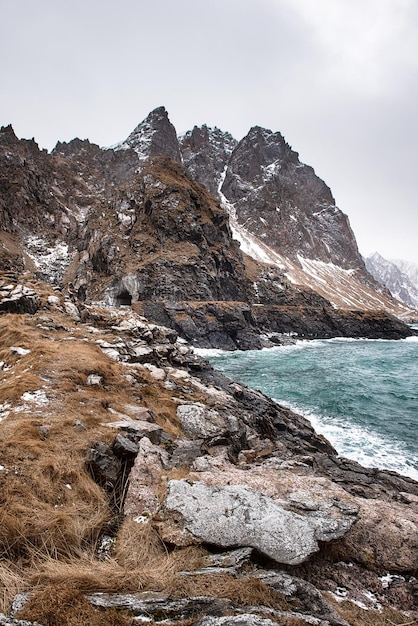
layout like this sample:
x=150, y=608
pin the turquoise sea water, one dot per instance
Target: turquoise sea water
x=361, y=394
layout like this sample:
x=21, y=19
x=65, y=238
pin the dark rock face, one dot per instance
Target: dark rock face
x=205, y=152
x=282, y=201
x=155, y=136
x=239, y=325
x=162, y=237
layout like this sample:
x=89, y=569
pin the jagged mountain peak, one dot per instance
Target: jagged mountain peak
x=390, y=275
x=154, y=136
x=275, y=203
x=205, y=152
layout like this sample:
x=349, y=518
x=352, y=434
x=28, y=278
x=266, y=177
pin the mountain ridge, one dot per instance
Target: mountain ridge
x=109, y=221
x=399, y=277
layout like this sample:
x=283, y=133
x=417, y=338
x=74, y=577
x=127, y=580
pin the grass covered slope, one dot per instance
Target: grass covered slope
x=77, y=381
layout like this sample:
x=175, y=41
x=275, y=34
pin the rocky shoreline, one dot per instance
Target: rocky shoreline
x=240, y=325
x=246, y=514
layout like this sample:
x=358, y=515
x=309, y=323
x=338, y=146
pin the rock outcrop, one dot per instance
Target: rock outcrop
x=133, y=465
x=155, y=136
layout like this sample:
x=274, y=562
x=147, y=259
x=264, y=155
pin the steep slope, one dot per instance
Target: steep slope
x=109, y=226
x=284, y=215
x=154, y=136
x=389, y=274
x=205, y=152
x=134, y=476
x=161, y=237
x=410, y=269
x=283, y=202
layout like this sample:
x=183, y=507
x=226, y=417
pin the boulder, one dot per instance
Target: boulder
x=144, y=481
x=385, y=536
x=238, y=516
x=199, y=422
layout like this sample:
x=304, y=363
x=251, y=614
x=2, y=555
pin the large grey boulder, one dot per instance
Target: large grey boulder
x=199, y=422
x=235, y=515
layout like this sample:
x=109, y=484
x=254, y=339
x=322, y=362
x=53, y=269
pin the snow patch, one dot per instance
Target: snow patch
x=51, y=261
x=4, y=410
x=19, y=351
x=38, y=397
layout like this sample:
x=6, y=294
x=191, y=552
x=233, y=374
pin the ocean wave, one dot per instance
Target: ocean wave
x=413, y=339
x=360, y=444
x=210, y=352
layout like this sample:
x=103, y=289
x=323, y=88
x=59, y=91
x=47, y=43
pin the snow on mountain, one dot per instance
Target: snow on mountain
x=154, y=136
x=205, y=152
x=410, y=269
x=392, y=275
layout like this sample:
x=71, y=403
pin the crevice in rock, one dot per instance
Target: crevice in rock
x=110, y=467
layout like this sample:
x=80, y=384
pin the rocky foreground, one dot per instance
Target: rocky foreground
x=138, y=485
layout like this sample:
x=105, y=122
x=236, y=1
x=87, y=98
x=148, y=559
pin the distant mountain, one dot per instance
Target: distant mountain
x=409, y=269
x=400, y=277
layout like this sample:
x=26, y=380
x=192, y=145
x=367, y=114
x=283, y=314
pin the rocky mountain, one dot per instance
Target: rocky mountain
x=410, y=269
x=279, y=210
x=391, y=276
x=132, y=224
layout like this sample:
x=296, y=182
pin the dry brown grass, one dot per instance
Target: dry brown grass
x=242, y=591
x=138, y=545
x=356, y=616
x=11, y=583
x=52, y=514
x=65, y=605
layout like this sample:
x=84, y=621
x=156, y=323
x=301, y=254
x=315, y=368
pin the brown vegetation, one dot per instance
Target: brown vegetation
x=65, y=605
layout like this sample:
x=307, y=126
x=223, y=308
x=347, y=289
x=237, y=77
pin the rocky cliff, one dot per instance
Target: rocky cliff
x=136, y=482
x=124, y=227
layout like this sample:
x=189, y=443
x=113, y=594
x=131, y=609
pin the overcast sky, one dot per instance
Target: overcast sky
x=338, y=78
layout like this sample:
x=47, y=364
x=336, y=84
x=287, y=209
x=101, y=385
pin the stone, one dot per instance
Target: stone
x=72, y=310
x=238, y=516
x=94, y=380
x=199, y=422
x=385, y=536
x=185, y=452
x=17, y=298
x=124, y=447
x=138, y=429
x=245, y=619
x=148, y=604
x=142, y=497
x=104, y=465
x=54, y=301
x=296, y=588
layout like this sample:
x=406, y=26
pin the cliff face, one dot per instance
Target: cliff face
x=123, y=226
x=161, y=237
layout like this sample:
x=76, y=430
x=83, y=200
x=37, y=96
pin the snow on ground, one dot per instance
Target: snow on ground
x=51, y=261
x=38, y=397
x=339, y=286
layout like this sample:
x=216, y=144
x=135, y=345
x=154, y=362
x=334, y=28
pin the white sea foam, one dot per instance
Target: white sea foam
x=359, y=444
x=207, y=353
